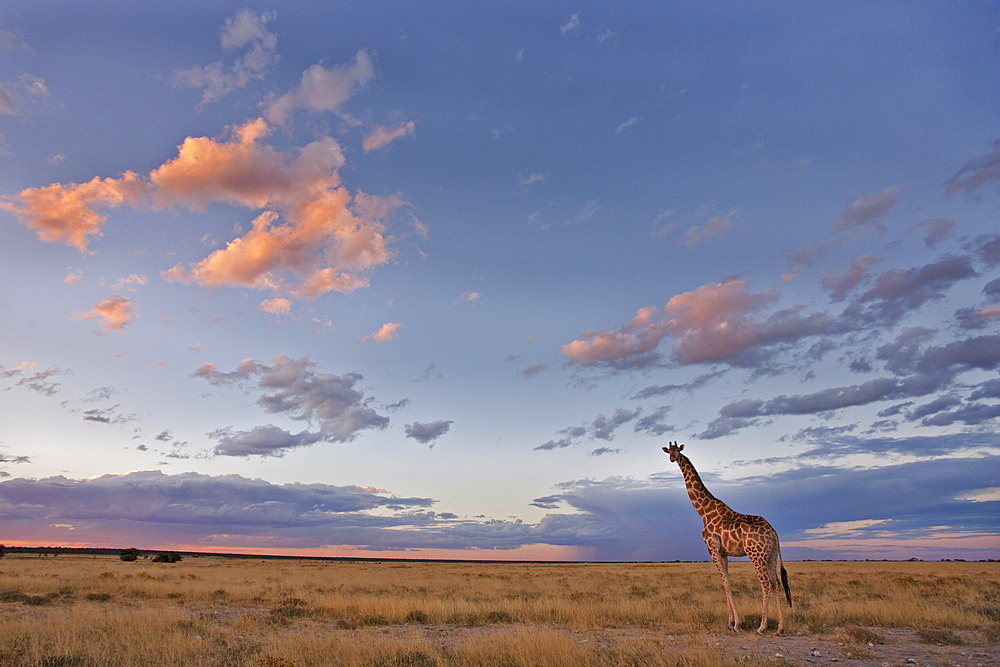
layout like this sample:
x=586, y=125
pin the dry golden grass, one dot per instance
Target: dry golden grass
x=88, y=611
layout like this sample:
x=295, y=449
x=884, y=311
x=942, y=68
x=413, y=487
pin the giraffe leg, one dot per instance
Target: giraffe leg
x=765, y=572
x=777, y=598
x=722, y=562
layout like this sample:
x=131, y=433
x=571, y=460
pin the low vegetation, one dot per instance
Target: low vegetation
x=101, y=610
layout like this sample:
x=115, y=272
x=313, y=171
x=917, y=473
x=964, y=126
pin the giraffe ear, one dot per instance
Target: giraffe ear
x=681, y=448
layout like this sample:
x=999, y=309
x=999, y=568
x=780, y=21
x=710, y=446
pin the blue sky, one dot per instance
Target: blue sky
x=441, y=280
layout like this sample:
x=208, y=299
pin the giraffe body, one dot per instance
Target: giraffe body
x=729, y=533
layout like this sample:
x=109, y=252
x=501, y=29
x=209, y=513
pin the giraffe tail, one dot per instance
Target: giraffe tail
x=784, y=583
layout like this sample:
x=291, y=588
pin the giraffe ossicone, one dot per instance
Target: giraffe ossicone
x=729, y=533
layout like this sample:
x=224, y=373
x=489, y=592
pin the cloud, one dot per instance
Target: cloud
x=312, y=235
x=111, y=415
x=430, y=373
x=33, y=379
x=601, y=428
x=245, y=30
x=381, y=135
x=604, y=427
x=194, y=508
x=66, y=213
x=386, y=333
x=320, y=246
x=7, y=103
x=260, y=441
x=936, y=230
x=868, y=212
x=586, y=212
x=711, y=323
x=275, y=306
x=295, y=389
x=116, y=311
x=429, y=432
x=716, y=227
x=896, y=292
x=13, y=42
x=571, y=25
x=322, y=89
x=27, y=88
x=855, y=272
x=918, y=373
x=155, y=510
x=532, y=178
x=627, y=124
x=533, y=370
x=977, y=172
x=986, y=248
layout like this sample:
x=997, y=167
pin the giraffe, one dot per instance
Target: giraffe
x=728, y=533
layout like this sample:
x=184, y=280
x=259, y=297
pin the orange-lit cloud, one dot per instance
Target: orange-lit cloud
x=382, y=135
x=275, y=306
x=385, y=334
x=244, y=171
x=310, y=235
x=309, y=242
x=116, y=312
x=66, y=213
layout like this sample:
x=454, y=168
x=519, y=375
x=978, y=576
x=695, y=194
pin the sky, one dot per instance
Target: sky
x=441, y=280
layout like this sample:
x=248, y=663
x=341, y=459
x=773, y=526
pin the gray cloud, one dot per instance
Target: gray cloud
x=429, y=432
x=919, y=373
x=27, y=376
x=601, y=428
x=260, y=441
x=936, y=230
x=245, y=30
x=897, y=292
x=294, y=388
x=977, y=172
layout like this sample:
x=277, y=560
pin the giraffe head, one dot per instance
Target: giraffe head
x=674, y=450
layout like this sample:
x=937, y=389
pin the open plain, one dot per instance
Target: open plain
x=77, y=610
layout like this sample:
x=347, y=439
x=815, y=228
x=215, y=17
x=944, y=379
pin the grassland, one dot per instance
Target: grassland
x=97, y=611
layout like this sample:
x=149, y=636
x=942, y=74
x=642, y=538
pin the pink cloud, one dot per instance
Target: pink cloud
x=116, y=312
x=711, y=323
x=386, y=333
x=66, y=213
x=382, y=135
x=275, y=306
x=868, y=212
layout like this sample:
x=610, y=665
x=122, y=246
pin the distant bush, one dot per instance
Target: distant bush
x=129, y=555
x=166, y=558
x=3, y=551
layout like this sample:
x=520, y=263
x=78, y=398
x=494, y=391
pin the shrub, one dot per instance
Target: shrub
x=166, y=558
x=129, y=555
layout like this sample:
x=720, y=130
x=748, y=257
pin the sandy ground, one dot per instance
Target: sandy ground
x=898, y=649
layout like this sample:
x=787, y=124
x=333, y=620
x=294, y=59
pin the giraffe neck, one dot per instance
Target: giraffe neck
x=702, y=499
